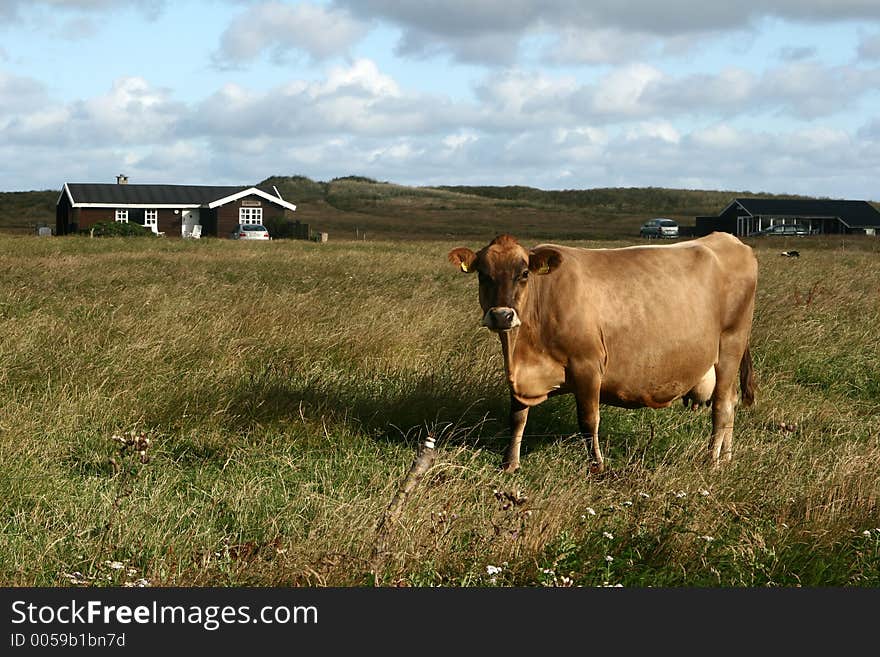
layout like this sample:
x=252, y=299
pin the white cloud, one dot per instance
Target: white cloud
x=13, y=10
x=621, y=91
x=810, y=90
x=814, y=141
x=281, y=28
x=20, y=95
x=362, y=74
x=492, y=31
x=357, y=99
x=576, y=46
x=719, y=137
x=659, y=130
x=403, y=151
x=517, y=95
x=132, y=112
x=729, y=91
x=869, y=46
x=459, y=140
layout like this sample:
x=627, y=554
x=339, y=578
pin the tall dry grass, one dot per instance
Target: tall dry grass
x=284, y=387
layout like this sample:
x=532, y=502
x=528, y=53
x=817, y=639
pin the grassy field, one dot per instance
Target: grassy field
x=192, y=413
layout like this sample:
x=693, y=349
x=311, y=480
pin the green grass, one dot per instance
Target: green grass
x=285, y=387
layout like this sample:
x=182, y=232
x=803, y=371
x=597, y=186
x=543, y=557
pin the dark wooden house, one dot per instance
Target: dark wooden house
x=747, y=216
x=172, y=210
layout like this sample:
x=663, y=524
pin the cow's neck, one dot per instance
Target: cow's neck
x=527, y=332
x=508, y=347
x=508, y=342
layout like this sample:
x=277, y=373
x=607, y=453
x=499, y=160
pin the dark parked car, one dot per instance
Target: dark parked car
x=783, y=229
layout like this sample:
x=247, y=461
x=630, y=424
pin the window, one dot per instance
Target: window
x=250, y=215
x=122, y=216
x=151, y=220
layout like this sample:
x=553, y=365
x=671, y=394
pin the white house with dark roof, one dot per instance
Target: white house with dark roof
x=173, y=210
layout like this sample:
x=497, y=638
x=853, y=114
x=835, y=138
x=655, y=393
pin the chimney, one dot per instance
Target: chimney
x=121, y=179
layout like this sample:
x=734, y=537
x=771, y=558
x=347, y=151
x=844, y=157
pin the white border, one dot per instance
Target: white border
x=248, y=192
x=165, y=206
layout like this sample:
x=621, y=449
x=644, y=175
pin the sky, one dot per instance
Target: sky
x=772, y=96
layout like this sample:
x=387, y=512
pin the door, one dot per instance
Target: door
x=151, y=220
x=189, y=218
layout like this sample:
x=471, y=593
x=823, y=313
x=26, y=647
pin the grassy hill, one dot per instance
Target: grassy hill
x=355, y=207
x=23, y=211
x=351, y=206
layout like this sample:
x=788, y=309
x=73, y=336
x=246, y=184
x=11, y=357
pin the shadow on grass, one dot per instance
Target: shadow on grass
x=384, y=407
x=395, y=408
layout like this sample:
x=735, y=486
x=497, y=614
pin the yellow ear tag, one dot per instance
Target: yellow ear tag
x=543, y=269
x=464, y=267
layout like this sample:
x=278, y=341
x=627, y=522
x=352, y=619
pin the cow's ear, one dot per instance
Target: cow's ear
x=463, y=258
x=543, y=260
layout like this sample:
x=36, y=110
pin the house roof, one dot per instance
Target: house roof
x=853, y=213
x=156, y=196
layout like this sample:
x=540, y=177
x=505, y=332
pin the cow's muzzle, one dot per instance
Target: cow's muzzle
x=501, y=319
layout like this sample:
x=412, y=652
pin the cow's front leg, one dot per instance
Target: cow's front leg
x=519, y=413
x=587, y=396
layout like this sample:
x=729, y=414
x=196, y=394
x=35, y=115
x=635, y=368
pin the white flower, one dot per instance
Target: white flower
x=708, y=539
x=704, y=492
x=627, y=503
x=591, y=511
x=609, y=558
x=644, y=495
x=492, y=570
x=867, y=532
x=679, y=494
x=115, y=565
x=608, y=535
x=76, y=577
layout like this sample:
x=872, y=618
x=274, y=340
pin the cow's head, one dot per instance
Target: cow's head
x=504, y=268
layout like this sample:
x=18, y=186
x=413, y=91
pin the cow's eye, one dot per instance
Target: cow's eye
x=524, y=275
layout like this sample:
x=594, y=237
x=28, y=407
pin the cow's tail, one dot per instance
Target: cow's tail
x=747, y=378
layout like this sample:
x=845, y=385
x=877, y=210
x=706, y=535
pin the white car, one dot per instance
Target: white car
x=250, y=232
x=659, y=227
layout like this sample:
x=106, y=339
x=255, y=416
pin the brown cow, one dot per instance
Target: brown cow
x=632, y=327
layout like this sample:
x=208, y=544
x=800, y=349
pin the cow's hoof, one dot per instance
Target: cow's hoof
x=597, y=468
x=510, y=468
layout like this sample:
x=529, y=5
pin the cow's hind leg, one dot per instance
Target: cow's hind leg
x=722, y=424
x=519, y=414
x=724, y=401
